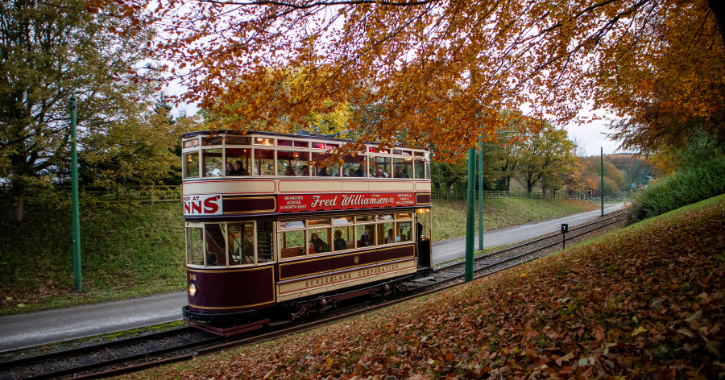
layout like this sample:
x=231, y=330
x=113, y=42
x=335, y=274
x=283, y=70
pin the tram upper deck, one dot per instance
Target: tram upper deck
x=257, y=173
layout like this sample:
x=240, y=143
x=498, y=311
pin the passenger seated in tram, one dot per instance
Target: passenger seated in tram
x=323, y=172
x=237, y=169
x=351, y=173
x=359, y=172
x=365, y=239
x=290, y=171
x=389, y=239
x=405, y=174
x=340, y=243
x=381, y=174
x=305, y=171
x=317, y=245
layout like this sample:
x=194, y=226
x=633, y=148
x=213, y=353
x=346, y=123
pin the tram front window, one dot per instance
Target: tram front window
x=191, y=165
x=213, y=164
x=216, y=245
x=419, y=168
x=291, y=163
x=195, y=246
x=241, y=243
x=238, y=160
x=354, y=166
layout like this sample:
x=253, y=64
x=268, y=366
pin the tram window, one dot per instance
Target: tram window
x=343, y=238
x=291, y=225
x=380, y=167
x=427, y=170
x=191, y=165
x=195, y=245
x=322, y=168
x=397, y=151
x=386, y=233
x=366, y=218
x=211, y=140
x=318, y=222
x=354, y=166
x=385, y=217
x=302, y=144
x=320, y=241
x=366, y=235
x=405, y=230
x=238, y=140
x=375, y=149
x=213, y=166
x=241, y=243
x=318, y=145
x=293, y=243
x=238, y=160
x=419, y=169
x=331, y=146
x=343, y=220
x=281, y=142
x=406, y=153
x=291, y=163
x=263, y=141
x=263, y=162
x=402, y=167
x=403, y=215
x=264, y=242
x=216, y=245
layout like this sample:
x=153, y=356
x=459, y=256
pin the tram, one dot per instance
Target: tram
x=271, y=224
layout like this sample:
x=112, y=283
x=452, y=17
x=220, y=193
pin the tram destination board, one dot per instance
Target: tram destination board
x=315, y=202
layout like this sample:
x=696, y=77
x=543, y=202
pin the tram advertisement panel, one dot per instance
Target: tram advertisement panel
x=314, y=202
x=208, y=204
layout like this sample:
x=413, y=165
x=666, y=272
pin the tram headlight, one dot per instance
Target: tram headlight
x=192, y=290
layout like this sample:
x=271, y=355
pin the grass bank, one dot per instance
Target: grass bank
x=131, y=250
x=643, y=302
x=449, y=217
x=127, y=250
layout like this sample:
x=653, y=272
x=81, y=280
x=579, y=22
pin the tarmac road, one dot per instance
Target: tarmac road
x=451, y=249
x=42, y=327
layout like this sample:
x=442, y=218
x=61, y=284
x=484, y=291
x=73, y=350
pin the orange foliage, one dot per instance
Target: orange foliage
x=442, y=71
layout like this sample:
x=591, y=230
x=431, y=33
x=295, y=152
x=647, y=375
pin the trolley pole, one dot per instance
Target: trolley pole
x=470, y=222
x=480, y=194
x=74, y=196
x=602, y=169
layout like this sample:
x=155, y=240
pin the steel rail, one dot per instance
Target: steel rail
x=84, y=350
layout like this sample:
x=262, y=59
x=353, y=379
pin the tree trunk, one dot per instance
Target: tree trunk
x=16, y=210
x=718, y=9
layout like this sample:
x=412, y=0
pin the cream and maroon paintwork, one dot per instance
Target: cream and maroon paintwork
x=234, y=289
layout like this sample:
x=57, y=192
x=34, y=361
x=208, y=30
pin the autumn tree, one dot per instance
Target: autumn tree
x=435, y=67
x=544, y=157
x=49, y=51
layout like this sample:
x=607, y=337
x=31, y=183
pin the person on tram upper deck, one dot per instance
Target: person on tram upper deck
x=237, y=168
x=398, y=172
x=305, y=171
x=290, y=171
x=340, y=243
x=380, y=173
x=405, y=173
x=359, y=171
x=323, y=172
x=351, y=172
x=317, y=244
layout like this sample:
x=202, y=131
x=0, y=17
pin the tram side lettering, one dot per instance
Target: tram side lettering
x=203, y=204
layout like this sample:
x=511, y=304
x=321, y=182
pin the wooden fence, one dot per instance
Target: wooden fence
x=458, y=193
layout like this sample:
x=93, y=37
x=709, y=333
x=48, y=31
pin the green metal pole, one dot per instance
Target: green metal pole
x=470, y=222
x=602, y=168
x=480, y=194
x=74, y=197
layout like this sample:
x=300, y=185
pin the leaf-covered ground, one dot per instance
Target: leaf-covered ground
x=644, y=302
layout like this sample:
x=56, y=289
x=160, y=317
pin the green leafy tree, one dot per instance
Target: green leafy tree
x=543, y=156
x=49, y=51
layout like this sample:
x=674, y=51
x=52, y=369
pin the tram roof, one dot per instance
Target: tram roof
x=311, y=136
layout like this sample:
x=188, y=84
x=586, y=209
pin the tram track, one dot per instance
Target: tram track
x=138, y=353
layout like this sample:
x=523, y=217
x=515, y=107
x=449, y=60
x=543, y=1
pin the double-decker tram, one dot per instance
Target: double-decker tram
x=273, y=228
